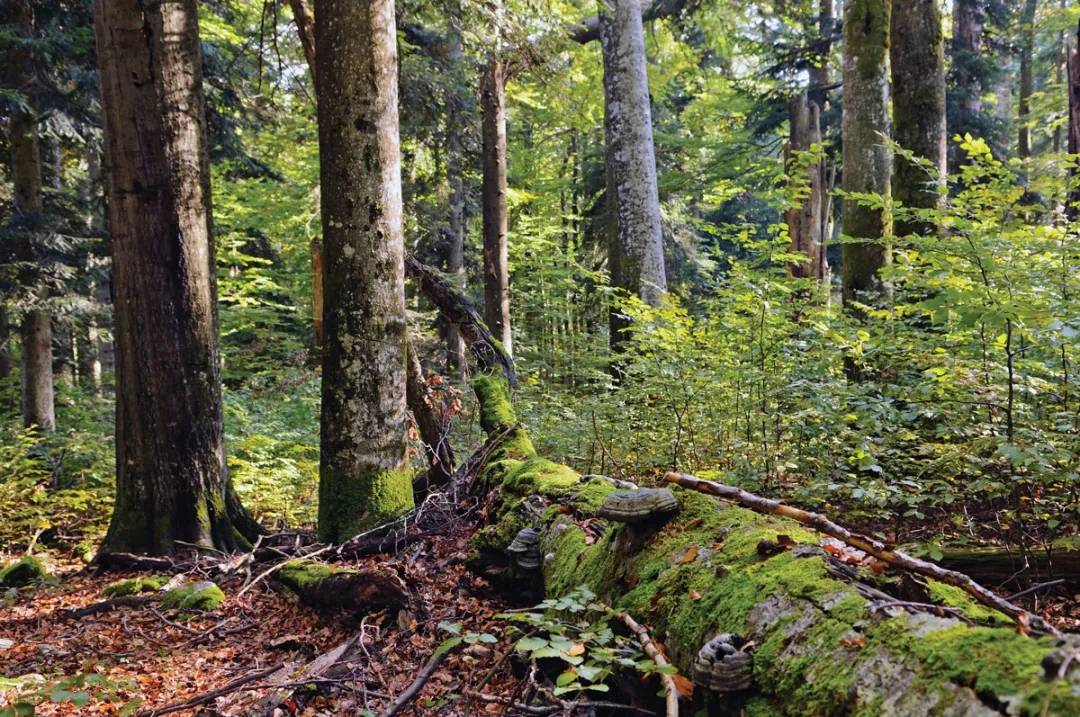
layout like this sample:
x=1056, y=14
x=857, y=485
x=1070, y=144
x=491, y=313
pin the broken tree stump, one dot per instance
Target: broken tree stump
x=328, y=587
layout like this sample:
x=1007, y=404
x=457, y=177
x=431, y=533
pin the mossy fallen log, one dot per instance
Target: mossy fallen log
x=1001, y=566
x=820, y=647
x=326, y=587
x=25, y=571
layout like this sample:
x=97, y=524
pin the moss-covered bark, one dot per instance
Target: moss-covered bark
x=23, y=572
x=820, y=649
x=326, y=586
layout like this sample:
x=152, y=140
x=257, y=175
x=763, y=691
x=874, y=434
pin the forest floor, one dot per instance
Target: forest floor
x=163, y=658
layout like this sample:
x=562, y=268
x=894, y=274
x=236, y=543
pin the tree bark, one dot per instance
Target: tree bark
x=63, y=354
x=37, y=371
x=493, y=199
x=317, y=293
x=819, y=72
x=867, y=161
x=5, y=357
x=171, y=476
x=37, y=387
x=455, y=247
x=432, y=433
x=637, y=266
x=806, y=221
x=1027, y=79
x=1072, y=206
x=364, y=479
x=824, y=644
x=917, y=58
x=969, y=20
x=305, y=28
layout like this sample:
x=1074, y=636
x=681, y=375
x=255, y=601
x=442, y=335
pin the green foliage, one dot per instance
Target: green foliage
x=78, y=690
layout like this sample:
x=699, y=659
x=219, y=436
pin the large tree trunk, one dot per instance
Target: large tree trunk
x=807, y=221
x=969, y=20
x=493, y=199
x=823, y=644
x=305, y=28
x=1072, y=207
x=171, y=476
x=37, y=386
x=917, y=58
x=364, y=478
x=637, y=263
x=867, y=160
x=1027, y=78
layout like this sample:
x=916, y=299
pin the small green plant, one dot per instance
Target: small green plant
x=77, y=690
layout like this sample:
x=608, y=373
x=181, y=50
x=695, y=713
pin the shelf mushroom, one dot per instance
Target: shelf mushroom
x=722, y=666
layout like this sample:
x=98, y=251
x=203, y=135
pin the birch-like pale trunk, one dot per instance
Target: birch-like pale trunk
x=493, y=200
x=364, y=479
x=636, y=255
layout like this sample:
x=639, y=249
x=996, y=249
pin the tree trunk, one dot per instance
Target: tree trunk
x=638, y=262
x=364, y=479
x=819, y=72
x=317, y=298
x=5, y=359
x=63, y=354
x=1072, y=207
x=89, y=359
x=965, y=93
x=455, y=247
x=823, y=643
x=806, y=221
x=917, y=58
x=493, y=198
x=305, y=28
x=37, y=371
x=867, y=161
x=171, y=476
x=37, y=388
x=1027, y=80
x=432, y=433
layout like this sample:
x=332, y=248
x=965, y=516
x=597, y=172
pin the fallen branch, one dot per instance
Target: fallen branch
x=112, y=604
x=868, y=545
x=213, y=694
x=1036, y=588
x=412, y=690
x=671, y=692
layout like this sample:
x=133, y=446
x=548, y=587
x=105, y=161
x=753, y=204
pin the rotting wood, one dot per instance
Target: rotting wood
x=868, y=545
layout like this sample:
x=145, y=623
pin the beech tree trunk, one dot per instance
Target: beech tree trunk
x=867, y=161
x=37, y=383
x=432, y=433
x=317, y=293
x=969, y=20
x=636, y=258
x=806, y=221
x=171, y=476
x=823, y=643
x=917, y=58
x=455, y=246
x=1027, y=80
x=493, y=191
x=364, y=479
x=1072, y=207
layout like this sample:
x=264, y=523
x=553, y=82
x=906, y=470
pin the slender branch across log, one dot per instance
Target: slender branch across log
x=868, y=545
x=671, y=693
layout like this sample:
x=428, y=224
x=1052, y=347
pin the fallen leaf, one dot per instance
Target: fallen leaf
x=684, y=686
x=692, y=524
x=576, y=649
x=1023, y=625
x=694, y=594
x=633, y=581
x=690, y=555
x=858, y=641
x=878, y=568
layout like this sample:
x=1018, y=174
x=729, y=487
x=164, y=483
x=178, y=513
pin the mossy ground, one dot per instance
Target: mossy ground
x=203, y=597
x=301, y=574
x=820, y=651
x=134, y=586
x=23, y=572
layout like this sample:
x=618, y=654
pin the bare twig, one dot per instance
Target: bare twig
x=671, y=693
x=603, y=446
x=868, y=545
x=1036, y=588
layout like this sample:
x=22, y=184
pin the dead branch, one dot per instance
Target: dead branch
x=213, y=694
x=671, y=693
x=412, y=690
x=111, y=604
x=868, y=545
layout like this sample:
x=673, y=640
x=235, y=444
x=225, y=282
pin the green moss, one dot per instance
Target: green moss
x=300, y=574
x=950, y=596
x=134, y=586
x=202, y=596
x=496, y=410
x=364, y=499
x=27, y=570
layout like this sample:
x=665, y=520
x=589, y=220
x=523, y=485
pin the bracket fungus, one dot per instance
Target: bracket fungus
x=638, y=506
x=722, y=666
x=524, y=549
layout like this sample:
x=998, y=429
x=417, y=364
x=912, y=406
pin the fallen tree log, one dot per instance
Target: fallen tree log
x=326, y=586
x=812, y=645
x=1007, y=568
